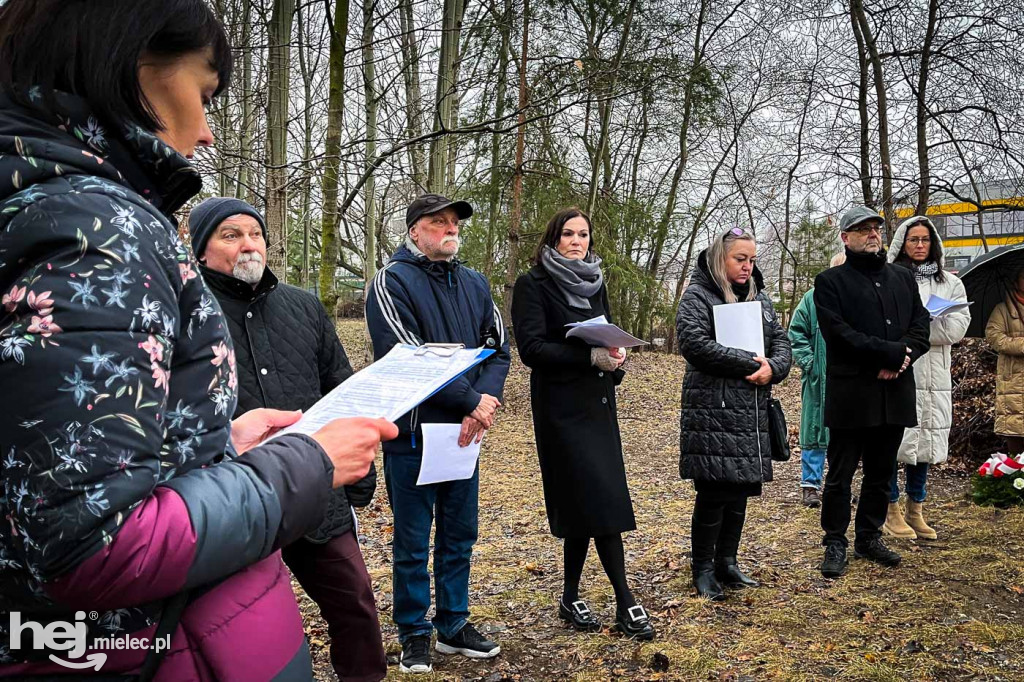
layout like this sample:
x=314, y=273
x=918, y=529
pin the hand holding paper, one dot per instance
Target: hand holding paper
x=940, y=307
x=443, y=459
x=351, y=445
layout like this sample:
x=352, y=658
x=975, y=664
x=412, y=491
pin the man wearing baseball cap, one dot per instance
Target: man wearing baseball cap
x=874, y=326
x=426, y=295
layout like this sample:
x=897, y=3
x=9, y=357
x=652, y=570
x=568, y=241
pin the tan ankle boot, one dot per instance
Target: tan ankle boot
x=895, y=525
x=915, y=519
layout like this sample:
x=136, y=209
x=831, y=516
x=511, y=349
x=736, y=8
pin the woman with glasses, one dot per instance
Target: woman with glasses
x=917, y=246
x=723, y=440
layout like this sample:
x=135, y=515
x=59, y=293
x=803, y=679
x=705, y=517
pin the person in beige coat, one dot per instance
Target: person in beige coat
x=917, y=246
x=1005, y=332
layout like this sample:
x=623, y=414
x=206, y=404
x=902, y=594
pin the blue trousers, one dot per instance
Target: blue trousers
x=812, y=468
x=917, y=479
x=453, y=506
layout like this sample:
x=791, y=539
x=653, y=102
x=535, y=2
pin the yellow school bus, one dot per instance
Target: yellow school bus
x=1002, y=220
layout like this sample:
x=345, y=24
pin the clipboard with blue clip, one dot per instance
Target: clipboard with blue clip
x=394, y=385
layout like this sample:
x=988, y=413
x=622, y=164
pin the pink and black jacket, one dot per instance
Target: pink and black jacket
x=120, y=486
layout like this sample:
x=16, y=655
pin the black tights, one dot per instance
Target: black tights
x=717, y=526
x=613, y=558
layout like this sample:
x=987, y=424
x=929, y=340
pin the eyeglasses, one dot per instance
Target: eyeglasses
x=919, y=240
x=735, y=232
x=866, y=229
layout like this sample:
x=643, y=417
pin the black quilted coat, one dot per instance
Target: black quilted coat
x=723, y=426
x=288, y=357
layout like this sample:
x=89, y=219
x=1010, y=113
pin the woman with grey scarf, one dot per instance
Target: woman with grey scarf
x=572, y=392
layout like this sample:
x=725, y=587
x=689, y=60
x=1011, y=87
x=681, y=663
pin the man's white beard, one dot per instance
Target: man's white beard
x=249, y=268
x=449, y=240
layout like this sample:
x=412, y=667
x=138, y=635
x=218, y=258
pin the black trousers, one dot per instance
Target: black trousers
x=877, y=448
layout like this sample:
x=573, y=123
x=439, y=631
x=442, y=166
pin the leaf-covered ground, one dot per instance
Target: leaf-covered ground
x=953, y=610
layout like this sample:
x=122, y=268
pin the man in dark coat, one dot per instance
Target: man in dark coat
x=425, y=295
x=288, y=357
x=875, y=327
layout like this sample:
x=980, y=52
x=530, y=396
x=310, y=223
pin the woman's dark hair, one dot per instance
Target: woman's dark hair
x=934, y=251
x=92, y=49
x=553, y=232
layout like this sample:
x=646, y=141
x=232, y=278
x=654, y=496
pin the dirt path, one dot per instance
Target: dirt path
x=953, y=610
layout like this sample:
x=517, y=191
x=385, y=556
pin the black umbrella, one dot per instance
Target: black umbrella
x=988, y=280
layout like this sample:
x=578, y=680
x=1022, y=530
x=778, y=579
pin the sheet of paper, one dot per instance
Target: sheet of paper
x=939, y=306
x=600, y=319
x=739, y=325
x=598, y=332
x=443, y=459
x=390, y=387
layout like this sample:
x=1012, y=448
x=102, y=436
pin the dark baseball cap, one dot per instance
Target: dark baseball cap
x=432, y=203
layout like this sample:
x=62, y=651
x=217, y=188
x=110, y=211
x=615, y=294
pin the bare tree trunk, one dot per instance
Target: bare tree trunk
x=883, y=115
x=922, y=111
x=446, y=85
x=862, y=110
x=307, y=143
x=370, y=97
x=280, y=31
x=499, y=111
x=516, y=219
x=413, y=96
x=243, y=190
x=606, y=110
x=332, y=156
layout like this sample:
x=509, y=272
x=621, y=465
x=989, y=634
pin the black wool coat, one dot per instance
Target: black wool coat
x=869, y=313
x=723, y=423
x=574, y=413
x=288, y=356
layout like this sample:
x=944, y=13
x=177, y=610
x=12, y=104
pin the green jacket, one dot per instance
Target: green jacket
x=809, y=355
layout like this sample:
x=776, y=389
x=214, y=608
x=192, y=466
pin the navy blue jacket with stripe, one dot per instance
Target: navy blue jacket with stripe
x=414, y=300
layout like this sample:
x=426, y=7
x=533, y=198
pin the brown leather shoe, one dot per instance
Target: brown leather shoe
x=810, y=498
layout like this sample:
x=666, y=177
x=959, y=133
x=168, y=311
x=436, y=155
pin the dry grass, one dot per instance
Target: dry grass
x=953, y=610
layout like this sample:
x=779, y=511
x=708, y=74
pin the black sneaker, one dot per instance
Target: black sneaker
x=416, y=655
x=876, y=551
x=834, y=564
x=468, y=642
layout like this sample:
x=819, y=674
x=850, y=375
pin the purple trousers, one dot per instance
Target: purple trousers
x=334, y=576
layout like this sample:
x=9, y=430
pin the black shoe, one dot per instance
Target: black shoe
x=810, y=498
x=416, y=655
x=579, y=616
x=834, y=564
x=704, y=581
x=875, y=550
x=469, y=642
x=635, y=624
x=728, y=573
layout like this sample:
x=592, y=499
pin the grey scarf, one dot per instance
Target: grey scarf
x=578, y=280
x=923, y=271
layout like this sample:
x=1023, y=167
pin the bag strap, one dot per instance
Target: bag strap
x=165, y=628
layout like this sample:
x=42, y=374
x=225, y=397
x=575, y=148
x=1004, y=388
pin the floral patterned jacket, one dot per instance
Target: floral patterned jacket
x=120, y=486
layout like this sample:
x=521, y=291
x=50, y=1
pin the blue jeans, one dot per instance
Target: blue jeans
x=812, y=468
x=454, y=505
x=917, y=477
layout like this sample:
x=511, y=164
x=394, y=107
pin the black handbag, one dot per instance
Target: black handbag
x=778, y=432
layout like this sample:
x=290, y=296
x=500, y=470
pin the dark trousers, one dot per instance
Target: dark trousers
x=717, y=524
x=876, y=448
x=334, y=576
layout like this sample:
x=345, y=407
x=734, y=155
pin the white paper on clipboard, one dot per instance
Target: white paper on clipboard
x=739, y=325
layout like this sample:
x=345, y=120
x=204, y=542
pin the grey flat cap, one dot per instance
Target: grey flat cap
x=857, y=215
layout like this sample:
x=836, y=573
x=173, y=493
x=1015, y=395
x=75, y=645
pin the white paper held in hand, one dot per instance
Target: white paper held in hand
x=390, y=387
x=739, y=325
x=940, y=307
x=599, y=332
x=443, y=459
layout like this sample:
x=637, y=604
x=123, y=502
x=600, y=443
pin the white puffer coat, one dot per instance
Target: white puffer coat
x=928, y=442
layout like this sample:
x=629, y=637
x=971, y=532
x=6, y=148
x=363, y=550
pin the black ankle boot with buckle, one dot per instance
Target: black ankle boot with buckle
x=635, y=623
x=578, y=615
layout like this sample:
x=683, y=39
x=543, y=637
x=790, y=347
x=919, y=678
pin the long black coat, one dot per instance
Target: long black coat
x=288, y=356
x=723, y=424
x=869, y=313
x=574, y=414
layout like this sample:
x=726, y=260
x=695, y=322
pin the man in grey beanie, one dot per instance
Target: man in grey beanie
x=874, y=326
x=288, y=356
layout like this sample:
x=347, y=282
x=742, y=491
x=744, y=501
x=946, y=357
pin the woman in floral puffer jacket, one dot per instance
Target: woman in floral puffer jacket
x=124, y=496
